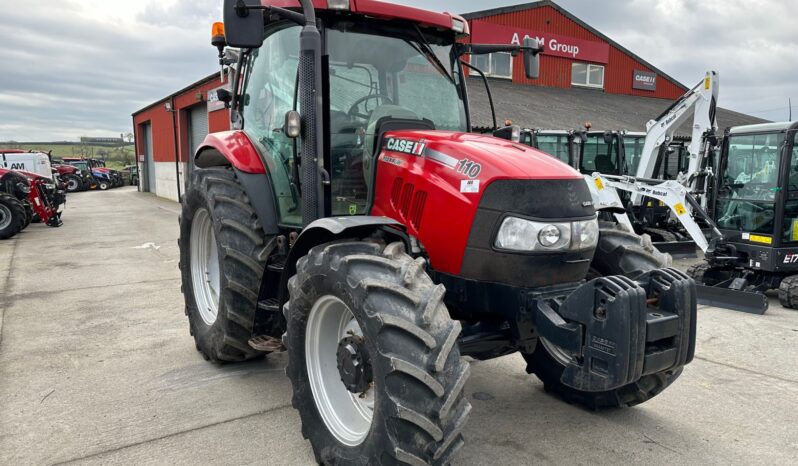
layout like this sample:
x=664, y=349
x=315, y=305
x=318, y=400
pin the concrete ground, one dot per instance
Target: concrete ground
x=97, y=367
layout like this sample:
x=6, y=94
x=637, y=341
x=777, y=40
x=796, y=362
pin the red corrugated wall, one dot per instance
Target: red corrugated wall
x=163, y=146
x=556, y=71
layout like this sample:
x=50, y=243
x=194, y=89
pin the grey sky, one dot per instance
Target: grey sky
x=81, y=67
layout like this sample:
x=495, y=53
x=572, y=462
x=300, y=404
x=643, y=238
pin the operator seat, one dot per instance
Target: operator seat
x=604, y=164
x=369, y=151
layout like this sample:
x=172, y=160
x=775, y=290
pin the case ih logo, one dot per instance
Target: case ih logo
x=644, y=80
x=405, y=146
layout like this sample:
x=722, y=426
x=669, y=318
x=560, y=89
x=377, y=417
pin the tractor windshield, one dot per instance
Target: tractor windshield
x=749, y=182
x=557, y=145
x=633, y=149
x=379, y=72
x=600, y=155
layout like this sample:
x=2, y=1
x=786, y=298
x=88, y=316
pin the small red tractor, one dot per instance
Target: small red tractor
x=74, y=179
x=353, y=219
x=27, y=197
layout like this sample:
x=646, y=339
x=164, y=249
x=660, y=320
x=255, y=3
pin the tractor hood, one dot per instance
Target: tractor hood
x=494, y=158
x=464, y=184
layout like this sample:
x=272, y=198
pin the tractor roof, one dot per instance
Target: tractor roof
x=764, y=127
x=384, y=10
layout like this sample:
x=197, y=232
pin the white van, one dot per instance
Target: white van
x=36, y=162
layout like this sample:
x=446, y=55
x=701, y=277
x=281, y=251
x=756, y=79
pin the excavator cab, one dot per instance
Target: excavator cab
x=756, y=209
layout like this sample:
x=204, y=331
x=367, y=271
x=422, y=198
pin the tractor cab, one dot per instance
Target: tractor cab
x=603, y=152
x=563, y=145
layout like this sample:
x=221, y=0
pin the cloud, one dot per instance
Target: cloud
x=73, y=68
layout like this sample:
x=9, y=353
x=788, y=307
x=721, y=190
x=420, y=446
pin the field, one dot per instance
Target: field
x=115, y=156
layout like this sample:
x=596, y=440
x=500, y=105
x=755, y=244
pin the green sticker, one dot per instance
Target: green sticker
x=352, y=209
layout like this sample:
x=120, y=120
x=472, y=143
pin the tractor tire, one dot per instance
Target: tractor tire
x=405, y=345
x=103, y=185
x=619, y=252
x=622, y=252
x=788, y=292
x=28, y=214
x=223, y=247
x=12, y=215
x=73, y=183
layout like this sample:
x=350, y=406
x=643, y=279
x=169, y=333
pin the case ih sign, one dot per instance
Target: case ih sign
x=644, y=80
x=555, y=45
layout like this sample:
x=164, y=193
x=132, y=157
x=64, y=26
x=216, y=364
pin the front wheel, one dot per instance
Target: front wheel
x=373, y=359
x=103, y=185
x=619, y=252
x=12, y=216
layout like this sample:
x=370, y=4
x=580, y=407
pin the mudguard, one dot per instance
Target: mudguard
x=330, y=229
x=229, y=148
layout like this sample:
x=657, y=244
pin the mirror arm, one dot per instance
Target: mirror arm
x=483, y=49
x=487, y=87
x=242, y=10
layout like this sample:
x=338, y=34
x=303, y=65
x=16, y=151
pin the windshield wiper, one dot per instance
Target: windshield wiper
x=425, y=48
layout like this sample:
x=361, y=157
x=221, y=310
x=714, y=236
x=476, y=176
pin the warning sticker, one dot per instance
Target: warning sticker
x=599, y=184
x=469, y=186
x=679, y=208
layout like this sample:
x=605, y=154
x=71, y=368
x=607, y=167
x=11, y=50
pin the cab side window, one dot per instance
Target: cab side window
x=269, y=94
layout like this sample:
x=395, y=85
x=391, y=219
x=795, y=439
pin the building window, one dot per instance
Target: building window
x=587, y=75
x=494, y=65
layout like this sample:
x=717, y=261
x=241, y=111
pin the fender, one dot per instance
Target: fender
x=229, y=148
x=233, y=148
x=330, y=229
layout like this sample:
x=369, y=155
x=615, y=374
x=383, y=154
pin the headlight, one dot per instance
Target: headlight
x=585, y=234
x=518, y=234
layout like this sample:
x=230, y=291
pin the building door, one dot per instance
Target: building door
x=147, y=174
x=197, y=130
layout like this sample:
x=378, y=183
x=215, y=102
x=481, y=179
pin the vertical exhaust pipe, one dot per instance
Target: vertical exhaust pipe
x=311, y=107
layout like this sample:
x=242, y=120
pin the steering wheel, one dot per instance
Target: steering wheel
x=353, y=109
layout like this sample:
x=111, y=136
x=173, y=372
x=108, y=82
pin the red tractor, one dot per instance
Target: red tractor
x=352, y=219
x=74, y=179
x=26, y=197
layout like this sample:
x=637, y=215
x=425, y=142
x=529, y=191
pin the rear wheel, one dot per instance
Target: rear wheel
x=223, y=253
x=12, y=216
x=619, y=252
x=373, y=359
x=73, y=183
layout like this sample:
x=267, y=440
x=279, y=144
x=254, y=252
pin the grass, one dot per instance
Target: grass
x=115, y=157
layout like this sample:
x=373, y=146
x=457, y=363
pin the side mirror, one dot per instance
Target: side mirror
x=607, y=137
x=224, y=95
x=243, y=27
x=531, y=59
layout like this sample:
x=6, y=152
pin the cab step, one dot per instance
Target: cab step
x=269, y=305
x=267, y=344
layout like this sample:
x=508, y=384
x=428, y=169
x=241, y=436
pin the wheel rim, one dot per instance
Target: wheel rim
x=556, y=352
x=205, y=276
x=72, y=185
x=347, y=416
x=5, y=217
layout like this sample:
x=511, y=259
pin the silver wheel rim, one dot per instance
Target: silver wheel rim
x=205, y=276
x=347, y=416
x=556, y=352
x=5, y=217
x=72, y=185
